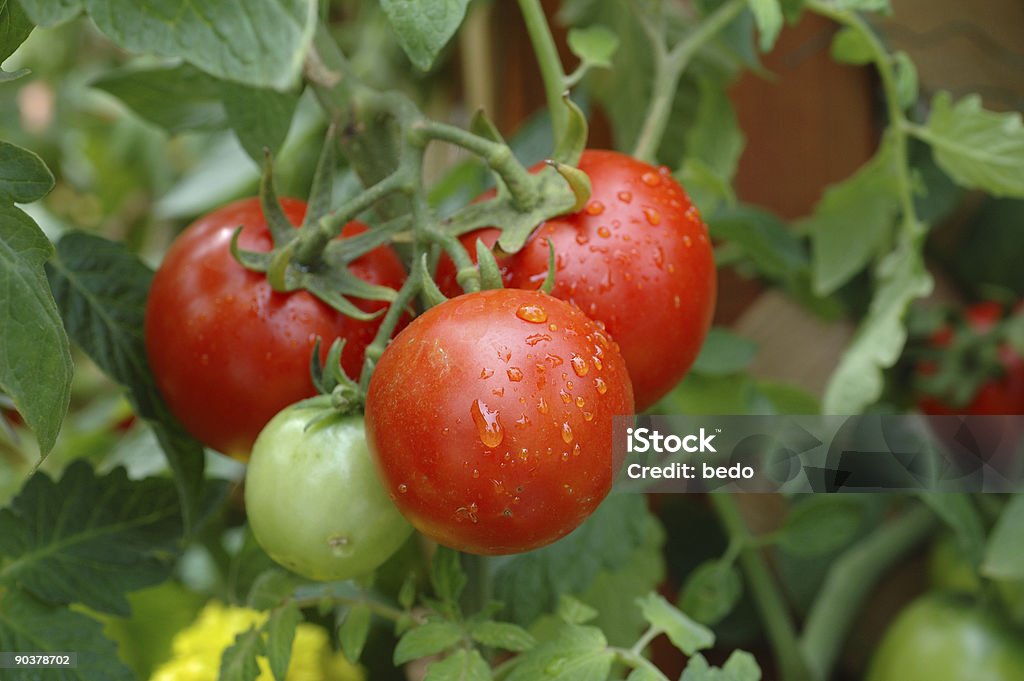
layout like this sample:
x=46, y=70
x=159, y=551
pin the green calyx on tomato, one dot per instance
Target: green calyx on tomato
x=227, y=351
x=313, y=498
x=490, y=419
x=948, y=638
x=636, y=257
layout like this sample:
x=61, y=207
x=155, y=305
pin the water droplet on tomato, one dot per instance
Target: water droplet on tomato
x=598, y=364
x=515, y=374
x=553, y=360
x=653, y=217
x=535, y=338
x=650, y=179
x=601, y=386
x=588, y=416
x=535, y=314
x=603, y=232
x=487, y=424
x=568, y=489
x=625, y=197
x=594, y=208
x=476, y=473
x=403, y=488
x=566, y=433
x=542, y=406
x=523, y=421
x=579, y=401
x=565, y=396
x=565, y=456
x=486, y=373
x=579, y=365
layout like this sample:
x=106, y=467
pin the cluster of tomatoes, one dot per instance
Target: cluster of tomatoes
x=488, y=418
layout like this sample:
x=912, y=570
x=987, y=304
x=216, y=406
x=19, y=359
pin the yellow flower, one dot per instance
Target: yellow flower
x=197, y=649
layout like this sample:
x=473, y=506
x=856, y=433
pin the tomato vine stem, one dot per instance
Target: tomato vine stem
x=550, y=63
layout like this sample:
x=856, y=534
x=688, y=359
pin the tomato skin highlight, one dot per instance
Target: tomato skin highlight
x=314, y=501
x=226, y=350
x=637, y=257
x=490, y=420
x=948, y=638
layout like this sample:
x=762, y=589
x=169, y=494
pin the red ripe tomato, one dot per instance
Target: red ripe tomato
x=227, y=351
x=490, y=419
x=1001, y=395
x=637, y=258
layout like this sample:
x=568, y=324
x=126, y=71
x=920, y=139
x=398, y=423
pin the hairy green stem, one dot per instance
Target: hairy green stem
x=550, y=63
x=767, y=597
x=460, y=258
x=849, y=582
x=668, y=69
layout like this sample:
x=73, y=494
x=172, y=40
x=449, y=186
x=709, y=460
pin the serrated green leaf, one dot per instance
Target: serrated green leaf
x=35, y=358
x=821, y=525
x=530, y=583
x=906, y=79
x=462, y=665
x=768, y=15
x=979, y=149
x=101, y=290
x=14, y=27
x=88, y=539
x=961, y=516
x=24, y=177
x=50, y=12
x=240, y=661
x=594, y=45
x=502, y=635
x=853, y=221
x=424, y=27
x=715, y=136
x=1004, y=555
x=851, y=46
x=645, y=674
x=574, y=611
x=774, y=249
x=260, y=117
x=28, y=625
x=686, y=634
x=706, y=188
x=574, y=653
x=741, y=666
x=857, y=381
x=280, y=630
x=698, y=669
x=425, y=640
x=176, y=98
x=354, y=631
x=266, y=47
x=711, y=592
x=446, y=574
x=271, y=588
x=724, y=353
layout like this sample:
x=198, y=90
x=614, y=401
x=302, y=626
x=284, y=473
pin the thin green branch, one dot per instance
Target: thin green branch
x=850, y=581
x=550, y=63
x=668, y=69
x=770, y=604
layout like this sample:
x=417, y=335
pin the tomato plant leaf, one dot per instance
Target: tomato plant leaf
x=961, y=516
x=240, y=661
x=24, y=177
x=821, y=524
x=88, y=539
x=851, y=46
x=260, y=117
x=724, y=353
x=29, y=625
x=424, y=27
x=685, y=633
x=428, y=639
x=502, y=635
x=853, y=221
x=906, y=79
x=35, y=358
x=462, y=665
x=529, y=584
x=715, y=137
x=447, y=575
x=176, y=98
x=266, y=46
x=354, y=631
x=280, y=630
x=979, y=149
x=768, y=15
x=1004, y=555
x=572, y=653
x=884, y=6
x=645, y=674
x=711, y=592
x=858, y=380
x=594, y=45
x=101, y=289
x=14, y=27
x=50, y=12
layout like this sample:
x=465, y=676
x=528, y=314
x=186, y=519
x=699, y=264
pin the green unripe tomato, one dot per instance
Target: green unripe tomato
x=948, y=638
x=313, y=499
